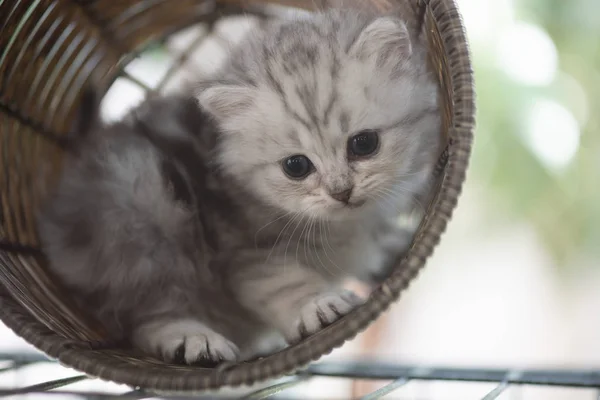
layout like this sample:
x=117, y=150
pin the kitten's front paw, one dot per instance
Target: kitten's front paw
x=320, y=312
x=185, y=342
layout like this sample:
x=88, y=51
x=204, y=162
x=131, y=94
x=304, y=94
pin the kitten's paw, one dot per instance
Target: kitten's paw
x=186, y=342
x=322, y=311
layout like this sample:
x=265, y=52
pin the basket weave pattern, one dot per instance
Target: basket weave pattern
x=49, y=50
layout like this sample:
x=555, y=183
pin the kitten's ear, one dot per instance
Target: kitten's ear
x=87, y=118
x=226, y=101
x=174, y=116
x=386, y=38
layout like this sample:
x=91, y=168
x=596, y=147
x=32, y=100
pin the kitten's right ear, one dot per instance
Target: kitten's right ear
x=225, y=101
x=384, y=38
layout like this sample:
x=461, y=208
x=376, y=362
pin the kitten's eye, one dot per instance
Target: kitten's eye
x=297, y=167
x=363, y=144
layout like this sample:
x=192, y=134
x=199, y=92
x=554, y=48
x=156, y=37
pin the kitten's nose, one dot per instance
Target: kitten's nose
x=343, y=196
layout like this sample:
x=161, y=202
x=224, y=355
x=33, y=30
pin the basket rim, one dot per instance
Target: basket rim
x=105, y=366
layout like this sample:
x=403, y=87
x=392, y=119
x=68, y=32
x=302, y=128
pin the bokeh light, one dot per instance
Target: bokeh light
x=553, y=133
x=527, y=54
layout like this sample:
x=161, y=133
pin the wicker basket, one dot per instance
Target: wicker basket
x=49, y=50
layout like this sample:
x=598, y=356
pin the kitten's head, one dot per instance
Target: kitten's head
x=327, y=115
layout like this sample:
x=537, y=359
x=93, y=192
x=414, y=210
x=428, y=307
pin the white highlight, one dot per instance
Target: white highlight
x=553, y=133
x=483, y=19
x=528, y=55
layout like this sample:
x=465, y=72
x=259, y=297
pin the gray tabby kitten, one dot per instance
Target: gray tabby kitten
x=204, y=237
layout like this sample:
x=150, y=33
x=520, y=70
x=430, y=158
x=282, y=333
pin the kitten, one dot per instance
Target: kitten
x=123, y=229
x=334, y=120
x=222, y=229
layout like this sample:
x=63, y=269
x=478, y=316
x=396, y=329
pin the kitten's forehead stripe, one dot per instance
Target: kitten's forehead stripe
x=309, y=49
x=275, y=84
x=307, y=98
x=278, y=87
x=332, y=100
x=334, y=70
x=288, y=70
x=292, y=136
x=299, y=119
x=302, y=56
x=345, y=122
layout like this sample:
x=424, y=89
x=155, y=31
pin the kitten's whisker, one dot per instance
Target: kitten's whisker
x=279, y=236
x=406, y=175
x=290, y=240
x=314, y=243
x=327, y=229
x=302, y=237
x=398, y=185
x=329, y=234
x=381, y=195
x=413, y=196
x=387, y=195
x=395, y=174
x=292, y=234
x=288, y=224
x=312, y=230
x=397, y=179
x=317, y=250
x=284, y=229
x=399, y=191
x=324, y=244
x=270, y=223
x=304, y=240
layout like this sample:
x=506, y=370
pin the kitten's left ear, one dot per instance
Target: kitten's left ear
x=225, y=101
x=88, y=113
x=384, y=38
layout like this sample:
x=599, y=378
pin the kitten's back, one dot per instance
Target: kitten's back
x=119, y=218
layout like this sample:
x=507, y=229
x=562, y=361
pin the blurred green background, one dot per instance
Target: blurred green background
x=537, y=147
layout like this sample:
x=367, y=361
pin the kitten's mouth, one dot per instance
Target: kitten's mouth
x=356, y=204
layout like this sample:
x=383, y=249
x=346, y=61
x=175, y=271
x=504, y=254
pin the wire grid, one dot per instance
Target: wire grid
x=371, y=371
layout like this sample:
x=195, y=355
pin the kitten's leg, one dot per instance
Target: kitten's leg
x=294, y=299
x=184, y=340
x=320, y=311
x=175, y=325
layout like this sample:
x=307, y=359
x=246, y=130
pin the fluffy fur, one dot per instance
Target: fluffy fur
x=178, y=227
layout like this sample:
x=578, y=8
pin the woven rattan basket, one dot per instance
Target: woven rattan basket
x=49, y=51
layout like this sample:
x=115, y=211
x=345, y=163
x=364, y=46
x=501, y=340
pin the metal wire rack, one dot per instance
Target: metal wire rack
x=398, y=376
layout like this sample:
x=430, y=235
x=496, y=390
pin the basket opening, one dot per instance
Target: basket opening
x=123, y=42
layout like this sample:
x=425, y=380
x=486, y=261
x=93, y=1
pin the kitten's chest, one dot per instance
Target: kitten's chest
x=223, y=221
x=318, y=242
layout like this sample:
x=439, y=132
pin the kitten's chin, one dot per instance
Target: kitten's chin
x=356, y=204
x=346, y=212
